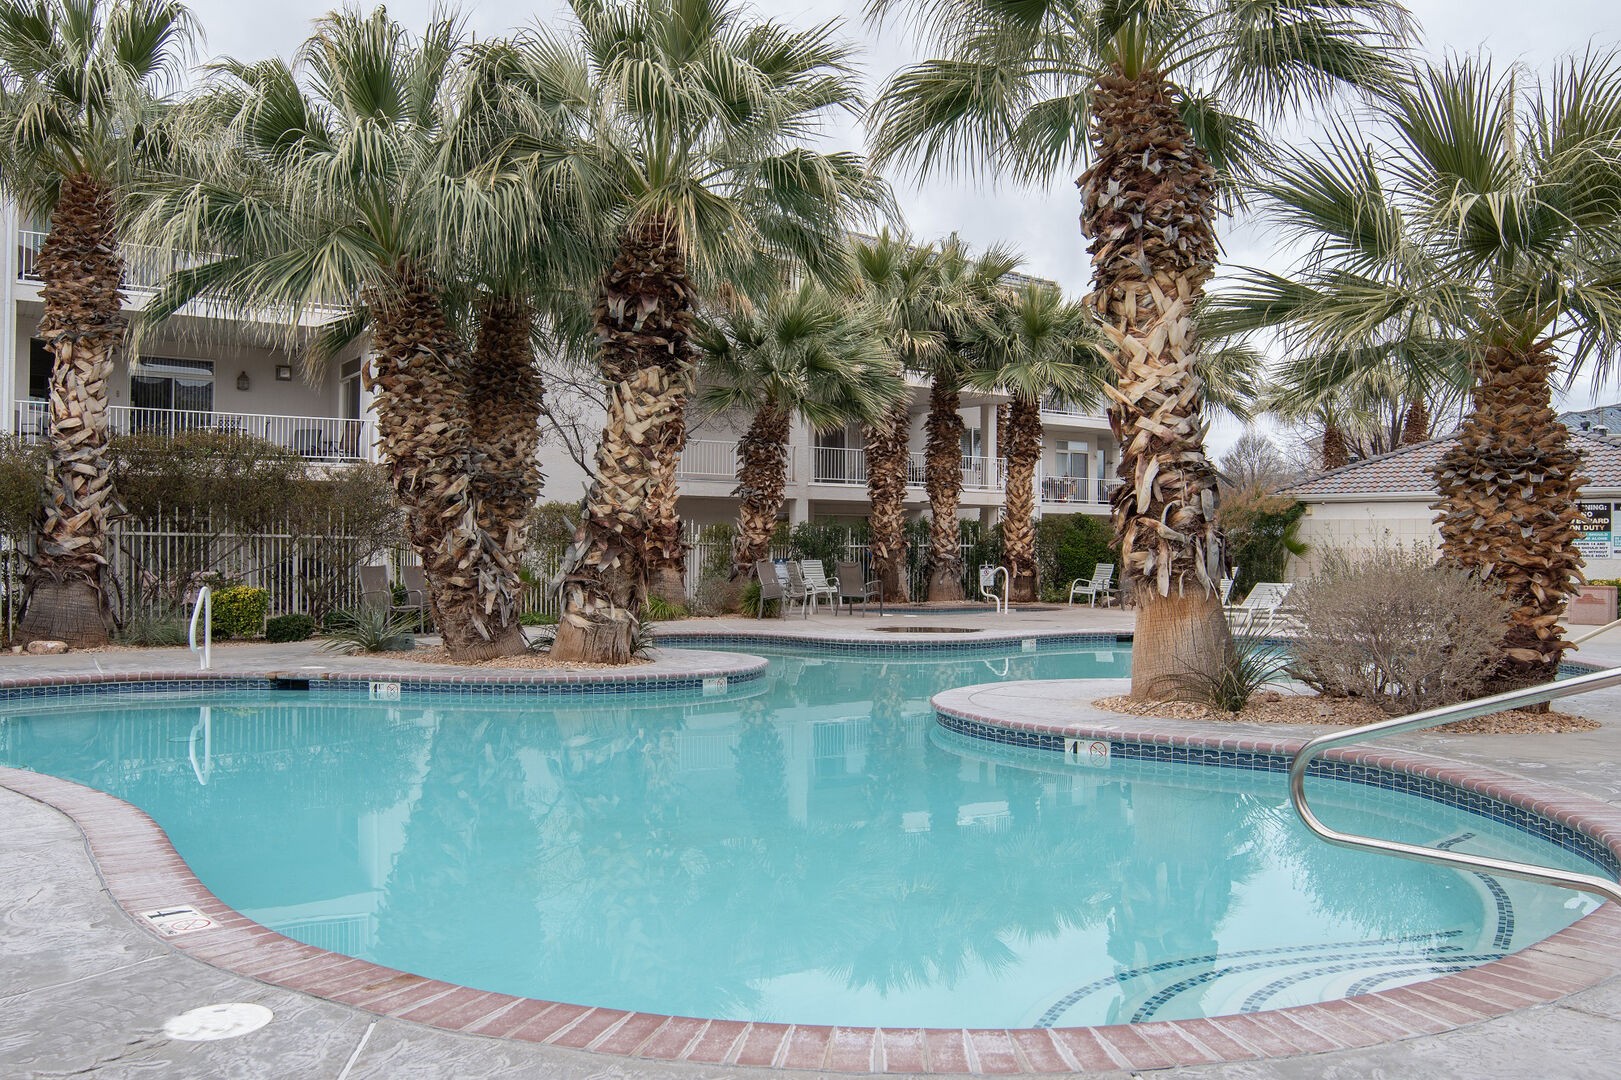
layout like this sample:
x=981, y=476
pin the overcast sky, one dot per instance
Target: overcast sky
x=1040, y=223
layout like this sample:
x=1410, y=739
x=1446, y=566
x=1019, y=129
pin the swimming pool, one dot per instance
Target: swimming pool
x=808, y=847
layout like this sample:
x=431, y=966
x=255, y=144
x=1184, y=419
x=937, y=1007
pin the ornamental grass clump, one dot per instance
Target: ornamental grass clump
x=1398, y=630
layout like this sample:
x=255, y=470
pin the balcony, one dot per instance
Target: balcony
x=318, y=438
x=848, y=466
x=144, y=267
x=1053, y=406
x=1070, y=490
x=714, y=460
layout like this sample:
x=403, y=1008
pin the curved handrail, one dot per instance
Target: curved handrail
x=989, y=591
x=1513, y=699
x=205, y=608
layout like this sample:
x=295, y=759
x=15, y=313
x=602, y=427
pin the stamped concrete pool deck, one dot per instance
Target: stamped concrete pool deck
x=84, y=991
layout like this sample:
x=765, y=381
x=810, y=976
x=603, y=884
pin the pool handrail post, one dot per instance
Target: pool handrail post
x=205, y=608
x=1512, y=699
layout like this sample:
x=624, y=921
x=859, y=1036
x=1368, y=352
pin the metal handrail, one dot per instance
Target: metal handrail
x=1513, y=699
x=205, y=608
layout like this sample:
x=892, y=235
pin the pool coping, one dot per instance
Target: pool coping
x=142, y=871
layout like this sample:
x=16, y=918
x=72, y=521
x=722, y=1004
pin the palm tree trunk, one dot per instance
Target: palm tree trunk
x=666, y=547
x=1023, y=434
x=1336, y=451
x=1149, y=210
x=504, y=395
x=762, y=477
x=644, y=324
x=83, y=326
x=1416, y=429
x=886, y=489
x=943, y=482
x=419, y=371
x=1508, y=507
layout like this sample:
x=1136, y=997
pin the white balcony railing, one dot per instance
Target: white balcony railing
x=714, y=459
x=319, y=438
x=144, y=267
x=848, y=465
x=1061, y=490
x=1058, y=407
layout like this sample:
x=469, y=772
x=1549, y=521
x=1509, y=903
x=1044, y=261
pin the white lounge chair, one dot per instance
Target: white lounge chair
x=816, y=584
x=1263, y=609
x=1102, y=584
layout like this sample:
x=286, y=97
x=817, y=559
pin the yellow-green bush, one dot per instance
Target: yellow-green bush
x=240, y=610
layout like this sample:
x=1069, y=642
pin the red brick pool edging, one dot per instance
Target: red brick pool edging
x=142, y=871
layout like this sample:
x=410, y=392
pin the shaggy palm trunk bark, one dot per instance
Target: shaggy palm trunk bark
x=418, y=370
x=1022, y=432
x=1336, y=451
x=83, y=327
x=1416, y=428
x=644, y=325
x=1149, y=210
x=1508, y=508
x=762, y=478
x=943, y=482
x=504, y=394
x=666, y=547
x=886, y=489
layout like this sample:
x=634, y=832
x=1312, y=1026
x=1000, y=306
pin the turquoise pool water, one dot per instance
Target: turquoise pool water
x=810, y=847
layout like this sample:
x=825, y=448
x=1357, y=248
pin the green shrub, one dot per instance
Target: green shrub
x=1070, y=546
x=296, y=627
x=659, y=609
x=1253, y=664
x=750, y=601
x=717, y=541
x=1262, y=532
x=369, y=629
x=537, y=618
x=824, y=541
x=240, y=610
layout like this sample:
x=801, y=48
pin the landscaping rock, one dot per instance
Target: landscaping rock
x=45, y=648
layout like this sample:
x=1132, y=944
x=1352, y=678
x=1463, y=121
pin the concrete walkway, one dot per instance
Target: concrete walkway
x=85, y=992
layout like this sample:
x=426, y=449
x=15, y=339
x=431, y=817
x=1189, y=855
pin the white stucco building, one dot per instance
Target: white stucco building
x=1390, y=498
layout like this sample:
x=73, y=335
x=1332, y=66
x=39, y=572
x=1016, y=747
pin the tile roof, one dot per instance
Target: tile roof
x=1407, y=471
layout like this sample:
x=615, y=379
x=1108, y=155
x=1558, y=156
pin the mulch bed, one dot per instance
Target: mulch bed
x=437, y=655
x=1272, y=707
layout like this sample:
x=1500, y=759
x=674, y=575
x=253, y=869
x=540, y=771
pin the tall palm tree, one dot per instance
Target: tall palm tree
x=1484, y=214
x=896, y=279
x=81, y=83
x=700, y=116
x=806, y=353
x=337, y=195
x=1151, y=94
x=1034, y=344
x=965, y=288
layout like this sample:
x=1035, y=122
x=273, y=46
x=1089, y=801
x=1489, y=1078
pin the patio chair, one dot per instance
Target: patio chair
x=816, y=583
x=797, y=591
x=854, y=589
x=771, y=587
x=1226, y=587
x=1263, y=609
x=1102, y=584
x=415, y=581
x=375, y=591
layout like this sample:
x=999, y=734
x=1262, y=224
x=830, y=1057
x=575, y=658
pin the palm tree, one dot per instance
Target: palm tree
x=335, y=189
x=1142, y=91
x=1485, y=223
x=805, y=353
x=699, y=116
x=896, y=279
x=1033, y=344
x=964, y=291
x=81, y=84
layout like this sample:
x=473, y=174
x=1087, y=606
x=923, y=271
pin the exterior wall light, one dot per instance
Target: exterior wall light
x=242, y=381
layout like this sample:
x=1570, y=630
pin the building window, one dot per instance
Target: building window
x=973, y=445
x=171, y=384
x=40, y=362
x=1072, y=458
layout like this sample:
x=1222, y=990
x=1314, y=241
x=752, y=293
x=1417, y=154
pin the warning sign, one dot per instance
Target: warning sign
x=174, y=921
x=1093, y=753
x=1593, y=536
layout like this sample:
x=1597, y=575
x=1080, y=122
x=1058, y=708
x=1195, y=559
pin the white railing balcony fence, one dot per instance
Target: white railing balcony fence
x=838, y=465
x=1063, y=490
x=145, y=267
x=981, y=473
x=319, y=438
x=1054, y=406
x=848, y=465
x=715, y=459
